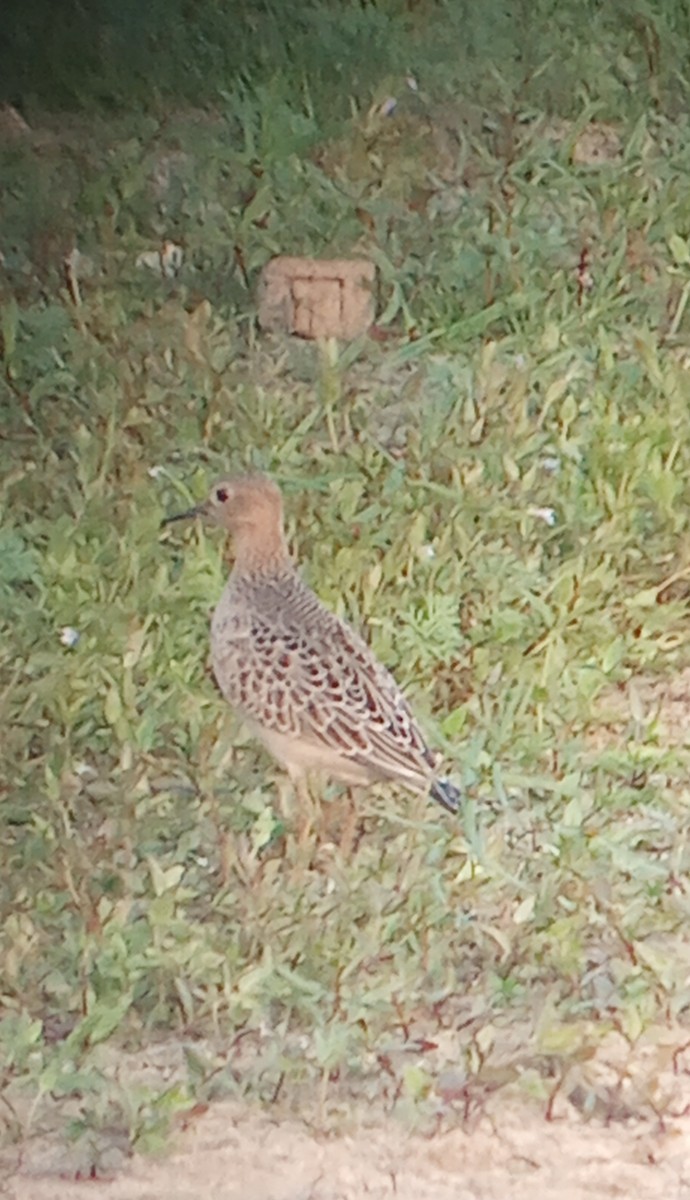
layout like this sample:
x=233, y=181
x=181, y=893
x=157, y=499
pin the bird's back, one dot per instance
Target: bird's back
x=301, y=674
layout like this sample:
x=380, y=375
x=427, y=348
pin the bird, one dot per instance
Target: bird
x=307, y=685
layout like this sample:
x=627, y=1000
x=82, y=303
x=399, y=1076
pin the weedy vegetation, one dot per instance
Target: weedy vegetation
x=495, y=486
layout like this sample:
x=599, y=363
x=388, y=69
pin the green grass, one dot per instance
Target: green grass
x=120, y=56
x=149, y=889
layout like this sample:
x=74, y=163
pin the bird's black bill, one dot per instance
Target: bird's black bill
x=197, y=511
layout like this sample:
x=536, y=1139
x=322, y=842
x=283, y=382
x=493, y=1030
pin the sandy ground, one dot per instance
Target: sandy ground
x=636, y=1147
x=644, y=705
x=236, y=1155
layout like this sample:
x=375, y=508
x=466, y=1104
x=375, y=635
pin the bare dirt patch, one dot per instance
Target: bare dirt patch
x=647, y=705
x=234, y=1153
x=619, y=1127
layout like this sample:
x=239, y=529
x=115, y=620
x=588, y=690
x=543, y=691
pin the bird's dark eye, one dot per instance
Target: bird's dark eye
x=221, y=495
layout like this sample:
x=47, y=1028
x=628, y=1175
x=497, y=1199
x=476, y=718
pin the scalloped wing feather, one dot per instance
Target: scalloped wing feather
x=294, y=668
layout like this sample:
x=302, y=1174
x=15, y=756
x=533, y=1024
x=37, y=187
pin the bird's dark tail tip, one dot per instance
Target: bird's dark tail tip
x=446, y=794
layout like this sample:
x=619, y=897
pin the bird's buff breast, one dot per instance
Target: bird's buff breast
x=301, y=757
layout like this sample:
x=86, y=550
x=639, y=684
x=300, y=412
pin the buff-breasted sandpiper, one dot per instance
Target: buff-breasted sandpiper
x=307, y=685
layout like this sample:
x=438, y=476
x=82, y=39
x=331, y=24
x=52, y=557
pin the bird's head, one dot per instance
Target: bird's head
x=250, y=507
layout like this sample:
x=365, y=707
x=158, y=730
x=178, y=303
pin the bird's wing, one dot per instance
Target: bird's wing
x=319, y=682
x=359, y=710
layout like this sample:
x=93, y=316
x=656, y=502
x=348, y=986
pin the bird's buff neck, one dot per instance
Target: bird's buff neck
x=260, y=552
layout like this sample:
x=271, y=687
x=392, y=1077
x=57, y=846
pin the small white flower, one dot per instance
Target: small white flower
x=156, y=472
x=543, y=514
x=172, y=257
x=167, y=261
x=551, y=463
x=520, y=361
x=150, y=260
x=69, y=636
x=426, y=553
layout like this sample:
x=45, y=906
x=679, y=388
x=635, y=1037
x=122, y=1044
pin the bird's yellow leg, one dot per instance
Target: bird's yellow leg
x=348, y=827
x=301, y=813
